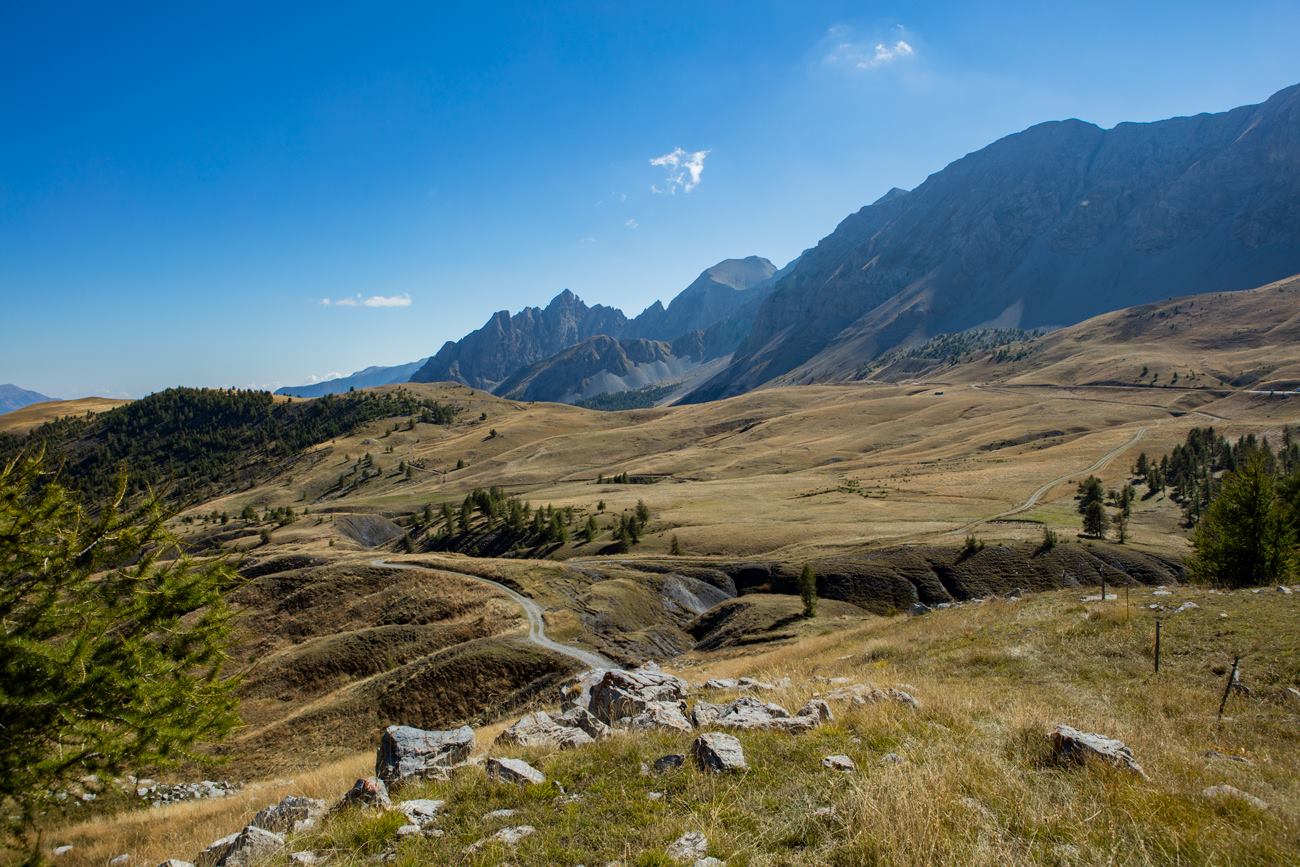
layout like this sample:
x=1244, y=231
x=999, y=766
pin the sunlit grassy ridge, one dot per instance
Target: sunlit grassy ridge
x=976, y=784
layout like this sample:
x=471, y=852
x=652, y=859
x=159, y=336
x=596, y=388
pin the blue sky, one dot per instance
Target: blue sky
x=182, y=185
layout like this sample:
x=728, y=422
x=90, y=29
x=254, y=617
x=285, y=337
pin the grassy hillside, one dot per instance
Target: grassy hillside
x=974, y=785
x=1226, y=340
x=192, y=443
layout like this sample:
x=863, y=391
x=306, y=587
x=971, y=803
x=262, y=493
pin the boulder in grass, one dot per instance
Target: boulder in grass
x=515, y=771
x=406, y=752
x=816, y=708
x=625, y=694
x=864, y=694
x=720, y=683
x=250, y=846
x=659, y=716
x=717, y=752
x=539, y=729
x=1071, y=745
x=365, y=792
x=751, y=713
x=293, y=813
x=576, y=691
x=175, y=862
x=581, y=718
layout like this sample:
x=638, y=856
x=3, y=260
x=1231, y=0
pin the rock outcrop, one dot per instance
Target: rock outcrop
x=405, y=752
x=540, y=729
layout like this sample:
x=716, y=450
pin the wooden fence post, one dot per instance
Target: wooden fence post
x=1158, y=624
x=1227, y=690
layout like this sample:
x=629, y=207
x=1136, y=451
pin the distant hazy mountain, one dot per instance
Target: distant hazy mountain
x=713, y=296
x=1045, y=227
x=12, y=397
x=361, y=379
x=502, y=354
x=486, y=357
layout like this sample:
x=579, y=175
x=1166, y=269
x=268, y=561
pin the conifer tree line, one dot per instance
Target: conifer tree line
x=1243, y=500
x=1191, y=471
x=514, y=523
x=196, y=443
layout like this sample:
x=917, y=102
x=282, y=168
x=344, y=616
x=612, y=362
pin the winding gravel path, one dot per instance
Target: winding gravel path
x=532, y=611
x=1041, y=492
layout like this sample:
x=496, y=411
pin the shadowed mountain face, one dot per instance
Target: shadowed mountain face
x=12, y=397
x=713, y=304
x=1045, y=227
x=603, y=365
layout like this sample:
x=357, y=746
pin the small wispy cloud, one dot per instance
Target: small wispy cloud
x=632, y=224
x=403, y=300
x=846, y=51
x=683, y=169
x=313, y=379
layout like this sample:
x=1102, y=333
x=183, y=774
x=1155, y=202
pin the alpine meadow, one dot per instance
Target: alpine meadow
x=780, y=434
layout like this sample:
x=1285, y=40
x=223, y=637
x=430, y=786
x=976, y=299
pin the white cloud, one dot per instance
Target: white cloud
x=631, y=223
x=683, y=169
x=403, y=300
x=313, y=379
x=847, y=52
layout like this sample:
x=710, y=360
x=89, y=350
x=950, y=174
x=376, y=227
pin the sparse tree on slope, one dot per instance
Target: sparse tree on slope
x=1095, y=520
x=808, y=591
x=111, y=645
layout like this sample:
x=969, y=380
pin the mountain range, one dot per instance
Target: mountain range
x=1043, y=228
x=12, y=397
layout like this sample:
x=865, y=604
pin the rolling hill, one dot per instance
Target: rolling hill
x=12, y=397
x=1224, y=340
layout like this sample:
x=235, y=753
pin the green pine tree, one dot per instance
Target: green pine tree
x=808, y=591
x=113, y=646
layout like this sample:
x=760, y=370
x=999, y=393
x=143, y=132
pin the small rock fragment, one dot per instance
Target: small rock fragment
x=839, y=763
x=365, y=792
x=506, y=836
x=670, y=762
x=688, y=847
x=421, y=811
x=293, y=813
x=891, y=759
x=1233, y=793
x=499, y=814
x=515, y=771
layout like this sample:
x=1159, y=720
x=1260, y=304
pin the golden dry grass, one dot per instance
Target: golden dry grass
x=975, y=786
x=22, y=420
x=790, y=472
